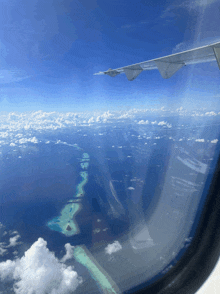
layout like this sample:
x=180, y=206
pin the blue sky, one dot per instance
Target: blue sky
x=50, y=50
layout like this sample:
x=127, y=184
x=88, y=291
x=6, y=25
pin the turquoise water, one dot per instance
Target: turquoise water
x=65, y=222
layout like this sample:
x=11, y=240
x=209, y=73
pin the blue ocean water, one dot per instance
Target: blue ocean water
x=127, y=173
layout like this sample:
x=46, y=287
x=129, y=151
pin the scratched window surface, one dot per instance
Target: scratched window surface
x=103, y=178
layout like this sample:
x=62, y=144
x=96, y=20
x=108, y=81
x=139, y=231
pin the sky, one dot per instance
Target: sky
x=51, y=49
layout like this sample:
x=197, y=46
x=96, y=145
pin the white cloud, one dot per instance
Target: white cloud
x=131, y=188
x=200, y=140
x=214, y=141
x=180, y=108
x=126, y=115
x=25, y=140
x=40, y=272
x=107, y=114
x=91, y=120
x=211, y=113
x=142, y=122
x=69, y=252
x=3, y=251
x=4, y=134
x=162, y=123
x=33, y=140
x=20, y=128
x=13, y=241
x=114, y=247
x=7, y=270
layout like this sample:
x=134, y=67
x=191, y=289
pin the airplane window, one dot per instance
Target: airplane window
x=104, y=172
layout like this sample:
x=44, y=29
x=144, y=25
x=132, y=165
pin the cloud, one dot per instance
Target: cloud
x=131, y=188
x=200, y=140
x=91, y=120
x=214, y=141
x=3, y=251
x=142, y=122
x=40, y=272
x=162, y=123
x=13, y=241
x=112, y=248
x=69, y=252
x=20, y=128
x=211, y=113
x=7, y=270
x=31, y=140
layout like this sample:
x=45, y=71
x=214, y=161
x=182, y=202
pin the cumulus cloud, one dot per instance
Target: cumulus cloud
x=131, y=188
x=107, y=114
x=214, y=141
x=19, y=128
x=211, y=113
x=7, y=270
x=142, y=122
x=91, y=120
x=40, y=272
x=114, y=247
x=26, y=140
x=200, y=140
x=4, y=134
x=162, y=123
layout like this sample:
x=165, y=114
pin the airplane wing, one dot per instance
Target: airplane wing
x=170, y=64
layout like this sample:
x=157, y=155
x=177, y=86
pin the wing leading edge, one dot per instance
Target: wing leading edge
x=169, y=65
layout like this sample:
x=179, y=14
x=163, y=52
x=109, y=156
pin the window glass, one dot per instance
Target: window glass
x=103, y=180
